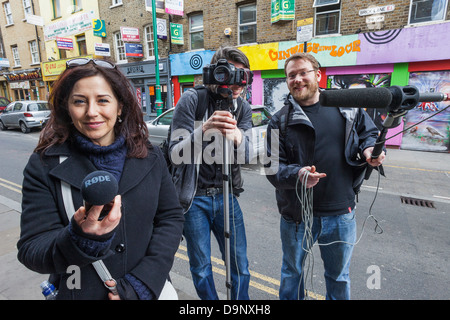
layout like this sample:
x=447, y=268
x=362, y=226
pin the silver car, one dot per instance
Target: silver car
x=158, y=128
x=25, y=115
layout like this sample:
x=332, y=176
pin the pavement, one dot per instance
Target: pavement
x=19, y=283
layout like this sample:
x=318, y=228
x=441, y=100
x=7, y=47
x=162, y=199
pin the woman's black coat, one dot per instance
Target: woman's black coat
x=145, y=241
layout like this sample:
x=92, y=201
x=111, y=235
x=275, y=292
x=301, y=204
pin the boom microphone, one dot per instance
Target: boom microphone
x=356, y=98
x=99, y=188
x=392, y=98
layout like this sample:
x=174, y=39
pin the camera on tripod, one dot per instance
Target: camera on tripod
x=225, y=73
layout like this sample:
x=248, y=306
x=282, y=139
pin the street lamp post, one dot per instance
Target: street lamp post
x=158, y=102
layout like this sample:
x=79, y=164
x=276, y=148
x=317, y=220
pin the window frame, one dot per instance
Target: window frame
x=195, y=32
x=16, y=56
x=317, y=3
x=322, y=11
x=8, y=13
x=149, y=39
x=247, y=24
x=34, y=52
x=27, y=7
x=430, y=20
x=119, y=44
x=56, y=5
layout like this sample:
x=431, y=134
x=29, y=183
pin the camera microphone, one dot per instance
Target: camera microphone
x=99, y=188
x=392, y=98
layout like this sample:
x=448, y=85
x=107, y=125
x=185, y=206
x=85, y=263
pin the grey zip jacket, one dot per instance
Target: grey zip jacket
x=187, y=147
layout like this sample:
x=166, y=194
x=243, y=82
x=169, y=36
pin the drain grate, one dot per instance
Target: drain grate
x=417, y=202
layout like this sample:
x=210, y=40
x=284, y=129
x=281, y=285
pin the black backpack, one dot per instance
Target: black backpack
x=199, y=114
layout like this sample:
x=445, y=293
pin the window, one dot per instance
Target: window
x=77, y=5
x=15, y=53
x=196, y=31
x=320, y=3
x=8, y=13
x=149, y=45
x=34, y=51
x=427, y=10
x=56, y=9
x=81, y=42
x=27, y=9
x=62, y=53
x=247, y=24
x=327, y=19
x=119, y=48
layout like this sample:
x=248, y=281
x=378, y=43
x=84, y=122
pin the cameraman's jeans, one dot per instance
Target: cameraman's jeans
x=336, y=257
x=204, y=216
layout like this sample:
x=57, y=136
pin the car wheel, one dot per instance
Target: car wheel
x=2, y=126
x=24, y=128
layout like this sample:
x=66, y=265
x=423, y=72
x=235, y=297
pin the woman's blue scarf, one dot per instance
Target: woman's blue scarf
x=110, y=158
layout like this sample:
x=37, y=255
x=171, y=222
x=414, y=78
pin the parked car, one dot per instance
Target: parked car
x=3, y=103
x=158, y=128
x=25, y=115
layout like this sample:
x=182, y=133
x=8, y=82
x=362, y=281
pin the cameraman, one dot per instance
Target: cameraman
x=199, y=183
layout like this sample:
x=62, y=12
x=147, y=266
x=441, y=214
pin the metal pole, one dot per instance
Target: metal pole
x=158, y=102
x=226, y=213
x=226, y=172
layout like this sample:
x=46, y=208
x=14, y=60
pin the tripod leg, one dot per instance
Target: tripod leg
x=226, y=213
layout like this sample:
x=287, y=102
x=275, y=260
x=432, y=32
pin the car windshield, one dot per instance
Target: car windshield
x=38, y=107
x=260, y=117
x=166, y=119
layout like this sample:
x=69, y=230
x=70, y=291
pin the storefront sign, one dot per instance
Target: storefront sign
x=24, y=75
x=20, y=85
x=64, y=43
x=174, y=7
x=74, y=25
x=190, y=62
x=35, y=20
x=99, y=28
x=161, y=28
x=134, y=50
x=4, y=63
x=130, y=34
x=282, y=10
x=102, y=49
x=176, y=33
x=52, y=69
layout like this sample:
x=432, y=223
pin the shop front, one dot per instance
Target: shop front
x=408, y=56
x=26, y=85
x=143, y=79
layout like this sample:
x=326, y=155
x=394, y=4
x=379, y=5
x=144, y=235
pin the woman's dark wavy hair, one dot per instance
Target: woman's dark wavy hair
x=60, y=127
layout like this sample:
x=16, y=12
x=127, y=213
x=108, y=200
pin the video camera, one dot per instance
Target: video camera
x=225, y=73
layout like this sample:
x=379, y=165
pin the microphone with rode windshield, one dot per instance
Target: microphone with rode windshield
x=396, y=99
x=393, y=98
x=99, y=188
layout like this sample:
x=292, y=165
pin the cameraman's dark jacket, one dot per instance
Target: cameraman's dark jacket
x=187, y=134
x=296, y=150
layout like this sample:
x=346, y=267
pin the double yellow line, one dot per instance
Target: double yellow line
x=11, y=185
x=259, y=276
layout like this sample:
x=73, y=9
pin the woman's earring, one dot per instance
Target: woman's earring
x=119, y=119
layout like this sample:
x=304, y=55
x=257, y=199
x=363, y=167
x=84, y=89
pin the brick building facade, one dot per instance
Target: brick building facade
x=23, y=50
